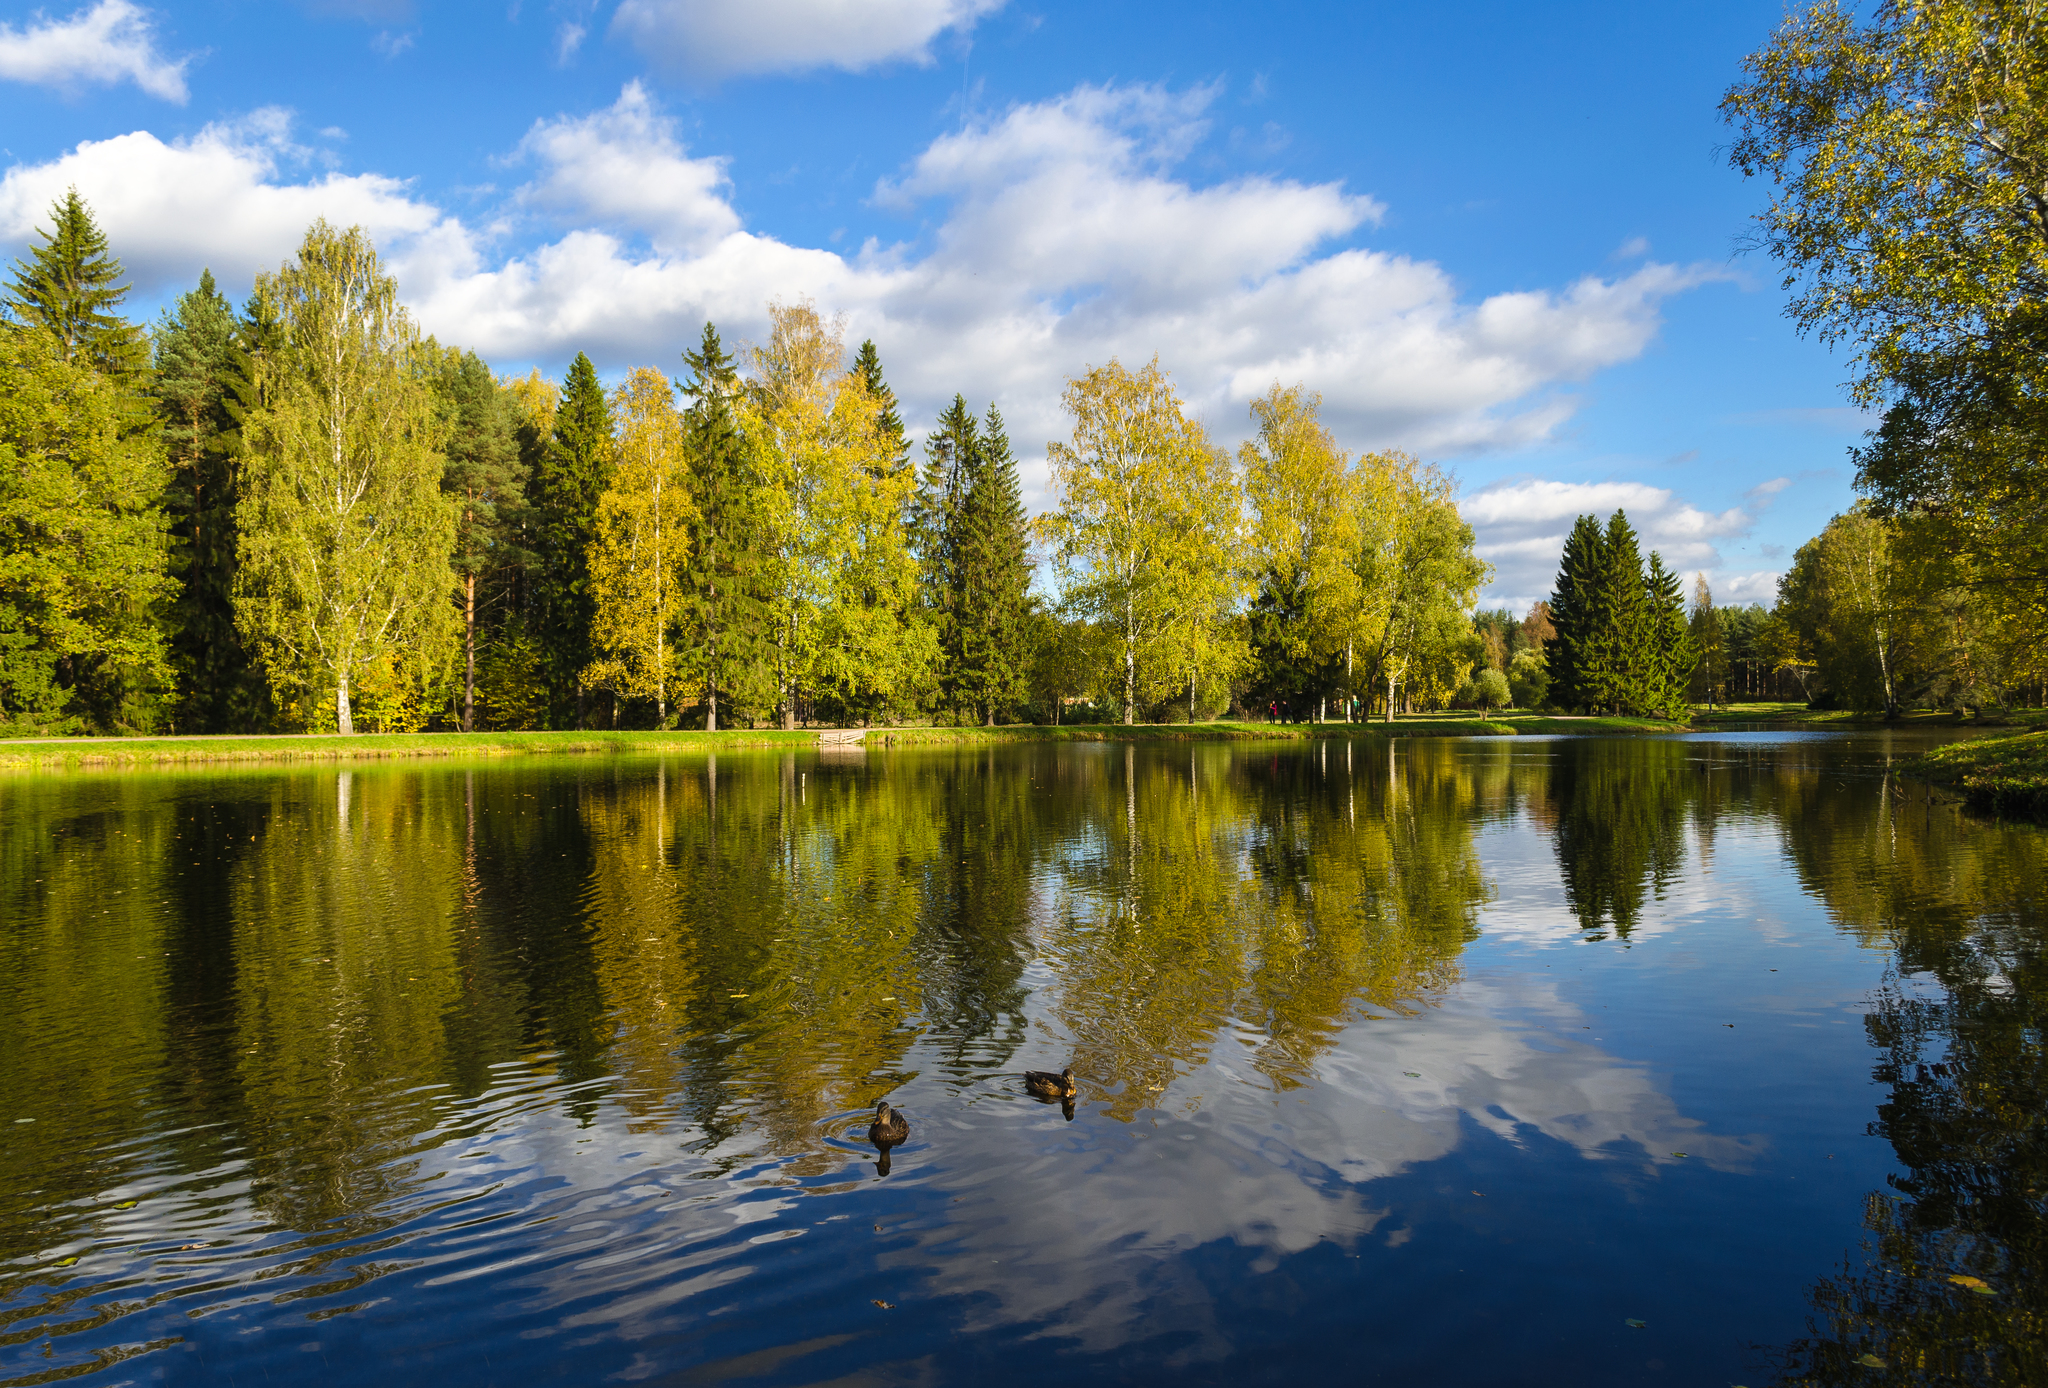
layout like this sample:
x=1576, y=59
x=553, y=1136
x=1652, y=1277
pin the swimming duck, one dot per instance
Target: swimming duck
x=889, y=1127
x=1046, y=1085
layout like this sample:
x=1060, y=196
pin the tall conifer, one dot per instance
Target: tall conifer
x=951, y=454
x=563, y=490
x=726, y=613
x=1572, y=607
x=198, y=366
x=994, y=577
x=70, y=286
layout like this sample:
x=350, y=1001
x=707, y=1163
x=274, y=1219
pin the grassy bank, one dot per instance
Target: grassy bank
x=142, y=753
x=1997, y=775
x=1802, y=716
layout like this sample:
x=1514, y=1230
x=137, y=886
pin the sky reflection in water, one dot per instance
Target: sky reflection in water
x=1444, y=1062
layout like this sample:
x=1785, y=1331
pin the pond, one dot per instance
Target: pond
x=1605, y=1060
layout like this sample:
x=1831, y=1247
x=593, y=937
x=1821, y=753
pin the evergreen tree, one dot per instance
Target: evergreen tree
x=992, y=553
x=483, y=475
x=726, y=613
x=562, y=491
x=1572, y=606
x=1667, y=678
x=199, y=365
x=1617, y=651
x=951, y=454
x=70, y=286
x=867, y=364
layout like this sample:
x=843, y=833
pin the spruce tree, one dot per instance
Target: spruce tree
x=483, y=475
x=951, y=457
x=992, y=554
x=199, y=364
x=1618, y=656
x=562, y=492
x=1670, y=649
x=727, y=614
x=867, y=364
x=70, y=286
x=1571, y=610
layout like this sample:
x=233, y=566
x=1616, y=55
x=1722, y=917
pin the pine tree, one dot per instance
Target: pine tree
x=70, y=286
x=563, y=491
x=726, y=614
x=1620, y=643
x=482, y=474
x=1572, y=606
x=992, y=553
x=198, y=365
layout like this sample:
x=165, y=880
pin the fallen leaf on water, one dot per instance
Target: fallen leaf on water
x=67, y=1262
x=1975, y=1284
x=1870, y=1361
x=885, y=1305
x=1633, y=1324
x=1413, y=1074
x=1678, y=1154
x=127, y=1204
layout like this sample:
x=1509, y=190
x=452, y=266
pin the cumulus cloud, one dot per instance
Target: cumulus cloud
x=1521, y=528
x=710, y=39
x=109, y=43
x=216, y=200
x=1065, y=232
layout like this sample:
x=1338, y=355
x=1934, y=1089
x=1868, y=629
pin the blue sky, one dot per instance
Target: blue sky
x=1501, y=236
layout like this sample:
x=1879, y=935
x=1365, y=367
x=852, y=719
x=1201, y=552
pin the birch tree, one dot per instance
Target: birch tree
x=1143, y=528
x=345, y=534
x=847, y=575
x=638, y=553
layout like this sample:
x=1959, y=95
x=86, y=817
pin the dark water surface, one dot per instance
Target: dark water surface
x=1442, y=1064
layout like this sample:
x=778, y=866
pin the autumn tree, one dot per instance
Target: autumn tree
x=345, y=535
x=1143, y=529
x=1907, y=148
x=638, y=554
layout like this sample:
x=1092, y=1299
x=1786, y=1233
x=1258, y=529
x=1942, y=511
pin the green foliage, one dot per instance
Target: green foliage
x=484, y=475
x=1710, y=669
x=562, y=491
x=974, y=570
x=1622, y=641
x=83, y=552
x=199, y=365
x=344, y=575
x=70, y=287
x=727, y=615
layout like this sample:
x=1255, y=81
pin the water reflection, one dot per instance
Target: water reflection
x=514, y=1054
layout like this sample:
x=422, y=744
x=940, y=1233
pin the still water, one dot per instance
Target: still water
x=1705, y=1060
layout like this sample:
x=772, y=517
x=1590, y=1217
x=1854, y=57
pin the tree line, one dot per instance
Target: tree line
x=306, y=514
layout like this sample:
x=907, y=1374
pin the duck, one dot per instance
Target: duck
x=889, y=1127
x=1044, y=1084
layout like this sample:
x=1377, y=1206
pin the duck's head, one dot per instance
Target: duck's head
x=1067, y=1078
x=882, y=1111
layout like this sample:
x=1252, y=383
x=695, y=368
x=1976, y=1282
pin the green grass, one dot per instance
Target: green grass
x=1998, y=775
x=1855, y=718
x=143, y=753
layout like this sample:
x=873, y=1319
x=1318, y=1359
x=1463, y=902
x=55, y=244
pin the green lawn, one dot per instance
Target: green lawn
x=138, y=753
x=1838, y=717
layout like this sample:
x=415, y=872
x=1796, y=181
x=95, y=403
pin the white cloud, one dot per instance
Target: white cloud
x=1521, y=528
x=623, y=168
x=709, y=39
x=213, y=200
x=1064, y=232
x=109, y=43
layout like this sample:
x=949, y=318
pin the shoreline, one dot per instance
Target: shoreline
x=147, y=753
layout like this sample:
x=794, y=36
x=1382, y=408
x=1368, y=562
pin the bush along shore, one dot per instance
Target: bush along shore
x=143, y=753
x=1997, y=775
